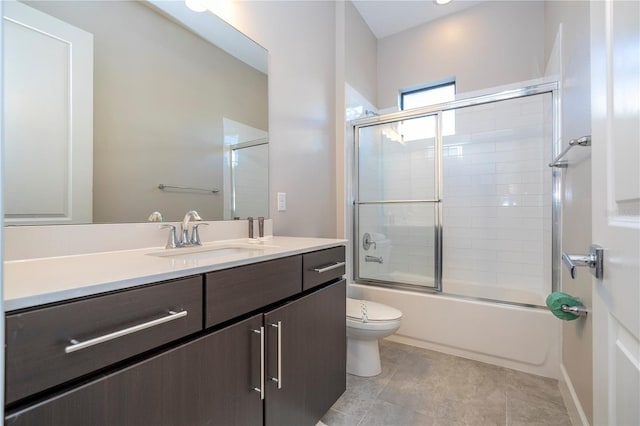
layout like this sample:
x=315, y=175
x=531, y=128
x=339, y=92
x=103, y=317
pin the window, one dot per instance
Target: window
x=428, y=95
x=431, y=95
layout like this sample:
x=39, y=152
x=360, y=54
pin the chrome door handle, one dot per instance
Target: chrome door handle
x=330, y=267
x=261, y=388
x=594, y=260
x=76, y=345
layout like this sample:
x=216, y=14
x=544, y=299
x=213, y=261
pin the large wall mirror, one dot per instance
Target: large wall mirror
x=117, y=109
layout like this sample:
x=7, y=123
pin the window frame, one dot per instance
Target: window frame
x=425, y=88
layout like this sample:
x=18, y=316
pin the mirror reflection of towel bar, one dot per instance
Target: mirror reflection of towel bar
x=162, y=186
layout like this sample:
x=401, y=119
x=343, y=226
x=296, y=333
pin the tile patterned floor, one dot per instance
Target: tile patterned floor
x=422, y=387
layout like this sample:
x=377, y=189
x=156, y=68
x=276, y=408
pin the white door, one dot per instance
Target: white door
x=615, y=91
x=48, y=118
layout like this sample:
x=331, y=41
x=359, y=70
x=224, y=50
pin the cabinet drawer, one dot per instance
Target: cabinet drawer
x=208, y=381
x=322, y=266
x=234, y=292
x=40, y=352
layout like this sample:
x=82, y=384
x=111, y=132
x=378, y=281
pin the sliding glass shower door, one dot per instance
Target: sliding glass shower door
x=472, y=209
x=398, y=205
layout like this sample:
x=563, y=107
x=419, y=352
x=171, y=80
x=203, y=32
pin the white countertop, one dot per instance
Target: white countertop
x=33, y=282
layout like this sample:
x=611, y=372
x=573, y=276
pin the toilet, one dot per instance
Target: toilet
x=366, y=323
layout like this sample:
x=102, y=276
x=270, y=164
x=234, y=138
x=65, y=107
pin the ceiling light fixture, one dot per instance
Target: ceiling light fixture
x=441, y=2
x=196, y=5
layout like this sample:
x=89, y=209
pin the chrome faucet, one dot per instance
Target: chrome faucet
x=184, y=230
x=184, y=240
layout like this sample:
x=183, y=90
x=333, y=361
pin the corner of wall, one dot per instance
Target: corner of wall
x=570, y=398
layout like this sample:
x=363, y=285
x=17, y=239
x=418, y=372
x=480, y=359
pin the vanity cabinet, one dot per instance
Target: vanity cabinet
x=274, y=354
x=311, y=364
x=206, y=381
x=322, y=266
x=233, y=292
x=40, y=352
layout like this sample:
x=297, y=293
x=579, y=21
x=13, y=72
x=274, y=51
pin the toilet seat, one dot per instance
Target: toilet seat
x=357, y=324
x=365, y=311
x=366, y=323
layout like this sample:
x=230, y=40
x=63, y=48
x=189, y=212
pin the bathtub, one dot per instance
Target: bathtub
x=522, y=338
x=454, y=288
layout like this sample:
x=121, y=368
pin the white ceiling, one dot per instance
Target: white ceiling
x=387, y=17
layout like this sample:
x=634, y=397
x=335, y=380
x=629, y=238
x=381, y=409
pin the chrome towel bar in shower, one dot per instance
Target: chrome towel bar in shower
x=583, y=141
x=162, y=186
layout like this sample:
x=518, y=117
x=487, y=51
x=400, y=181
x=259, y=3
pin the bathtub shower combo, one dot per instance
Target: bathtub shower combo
x=456, y=217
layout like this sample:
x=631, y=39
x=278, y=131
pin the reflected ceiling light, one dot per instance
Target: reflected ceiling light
x=441, y=2
x=196, y=5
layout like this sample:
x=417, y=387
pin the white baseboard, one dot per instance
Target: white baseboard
x=571, y=401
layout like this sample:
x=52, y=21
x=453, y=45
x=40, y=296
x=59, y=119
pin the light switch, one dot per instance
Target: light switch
x=282, y=201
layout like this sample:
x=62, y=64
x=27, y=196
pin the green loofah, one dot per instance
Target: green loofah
x=555, y=301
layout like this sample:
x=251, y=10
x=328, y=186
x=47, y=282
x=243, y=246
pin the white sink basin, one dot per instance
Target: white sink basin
x=212, y=251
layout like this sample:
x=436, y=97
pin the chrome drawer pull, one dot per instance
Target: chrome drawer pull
x=260, y=390
x=76, y=346
x=329, y=268
x=278, y=378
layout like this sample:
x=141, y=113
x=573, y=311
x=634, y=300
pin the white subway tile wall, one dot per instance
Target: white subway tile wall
x=496, y=202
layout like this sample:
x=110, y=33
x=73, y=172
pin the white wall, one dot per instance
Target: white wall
x=567, y=31
x=361, y=55
x=300, y=38
x=492, y=44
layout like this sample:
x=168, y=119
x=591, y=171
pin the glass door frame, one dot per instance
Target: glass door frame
x=438, y=109
x=233, y=162
x=436, y=201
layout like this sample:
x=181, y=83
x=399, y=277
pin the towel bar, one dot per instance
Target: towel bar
x=162, y=186
x=583, y=141
x=577, y=310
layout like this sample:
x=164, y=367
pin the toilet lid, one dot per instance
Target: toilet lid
x=367, y=311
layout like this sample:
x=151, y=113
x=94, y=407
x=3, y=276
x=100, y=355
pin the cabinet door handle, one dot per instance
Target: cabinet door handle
x=278, y=378
x=330, y=267
x=261, y=388
x=76, y=345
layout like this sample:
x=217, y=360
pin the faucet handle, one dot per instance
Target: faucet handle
x=155, y=217
x=367, y=241
x=172, y=242
x=195, y=236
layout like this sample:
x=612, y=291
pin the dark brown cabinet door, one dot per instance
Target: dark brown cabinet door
x=312, y=358
x=208, y=381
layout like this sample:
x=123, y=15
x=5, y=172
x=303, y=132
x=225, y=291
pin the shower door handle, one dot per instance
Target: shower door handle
x=594, y=260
